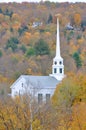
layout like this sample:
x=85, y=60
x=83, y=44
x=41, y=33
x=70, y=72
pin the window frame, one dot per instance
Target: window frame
x=48, y=97
x=40, y=98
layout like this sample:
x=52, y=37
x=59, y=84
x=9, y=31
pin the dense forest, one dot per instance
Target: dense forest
x=27, y=46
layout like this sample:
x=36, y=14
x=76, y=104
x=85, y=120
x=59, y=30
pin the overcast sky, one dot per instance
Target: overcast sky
x=39, y=0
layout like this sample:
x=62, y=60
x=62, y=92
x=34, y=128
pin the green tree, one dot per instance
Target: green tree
x=41, y=48
x=0, y=53
x=14, y=40
x=22, y=30
x=50, y=18
x=79, y=37
x=48, y=3
x=1, y=11
x=8, y=13
x=30, y=52
x=77, y=59
x=23, y=48
x=12, y=45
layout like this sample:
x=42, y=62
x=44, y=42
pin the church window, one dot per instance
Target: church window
x=55, y=70
x=60, y=62
x=55, y=62
x=22, y=85
x=47, y=98
x=60, y=70
x=40, y=98
x=16, y=93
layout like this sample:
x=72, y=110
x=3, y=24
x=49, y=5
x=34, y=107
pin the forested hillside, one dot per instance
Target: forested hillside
x=28, y=38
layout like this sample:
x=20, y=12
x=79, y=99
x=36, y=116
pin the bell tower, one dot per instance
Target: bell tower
x=58, y=67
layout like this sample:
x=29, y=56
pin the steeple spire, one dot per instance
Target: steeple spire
x=58, y=67
x=58, y=40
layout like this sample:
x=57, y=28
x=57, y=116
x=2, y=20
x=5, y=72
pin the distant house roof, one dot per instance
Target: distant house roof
x=69, y=27
x=39, y=81
x=36, y=24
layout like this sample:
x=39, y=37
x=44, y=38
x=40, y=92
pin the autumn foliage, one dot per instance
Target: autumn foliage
x=66, y=110
x=27, y=46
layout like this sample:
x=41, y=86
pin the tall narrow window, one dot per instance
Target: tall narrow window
x=47, y=98
x=55, y=71
x=60, y=70
x=40, y=98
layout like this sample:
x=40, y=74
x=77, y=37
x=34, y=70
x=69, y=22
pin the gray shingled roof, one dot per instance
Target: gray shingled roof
x=41, y=81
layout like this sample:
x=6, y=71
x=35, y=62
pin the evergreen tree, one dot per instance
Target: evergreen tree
x=12, y=43
x=23, y=48
x=30, y=52
x=1, y=11
x=0, y=53
x=41, y=47
x=8, y=13
x=14, y=40
x=77, y=59
x=49, y=19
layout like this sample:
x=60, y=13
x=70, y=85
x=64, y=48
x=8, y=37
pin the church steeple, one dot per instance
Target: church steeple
x=58, y=67
x=58, y=41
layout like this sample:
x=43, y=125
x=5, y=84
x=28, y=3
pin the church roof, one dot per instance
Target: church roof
x=39, y=81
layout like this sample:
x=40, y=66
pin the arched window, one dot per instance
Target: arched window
x=60, y=62
x=55, y=62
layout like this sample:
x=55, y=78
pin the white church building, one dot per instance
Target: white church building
x=41, y=87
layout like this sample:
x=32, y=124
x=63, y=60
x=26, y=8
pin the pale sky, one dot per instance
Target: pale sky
x=19, y=1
